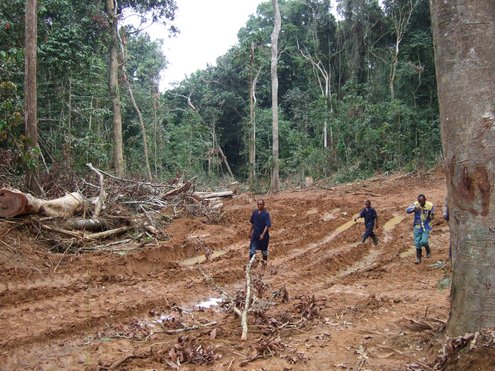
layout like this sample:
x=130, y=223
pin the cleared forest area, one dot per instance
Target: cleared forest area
x=325, y=300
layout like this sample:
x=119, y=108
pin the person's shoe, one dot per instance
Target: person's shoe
x=418, y=256
x=428, y=252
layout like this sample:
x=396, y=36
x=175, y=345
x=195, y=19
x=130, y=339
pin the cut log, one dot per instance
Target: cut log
x=208, y=195
x=12, y=203
x=92, y=225
x=15, y=203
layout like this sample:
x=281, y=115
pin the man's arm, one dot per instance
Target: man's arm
x=359, y=216
x=268, y=224
x=264, y=232
x=376, y=222
x=411, y=208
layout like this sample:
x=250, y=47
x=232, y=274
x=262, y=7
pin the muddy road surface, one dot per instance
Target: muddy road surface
x=325, y=301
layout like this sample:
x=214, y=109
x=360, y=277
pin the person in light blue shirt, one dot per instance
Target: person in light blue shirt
x=424, y=211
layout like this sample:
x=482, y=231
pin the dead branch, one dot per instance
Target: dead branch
x=248, y=299
x=88, y=237
x=100, y=202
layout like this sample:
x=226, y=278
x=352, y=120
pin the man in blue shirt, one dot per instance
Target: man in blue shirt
x=259, y=235
x=370, y=221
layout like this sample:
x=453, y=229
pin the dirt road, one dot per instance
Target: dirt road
x=350, y=306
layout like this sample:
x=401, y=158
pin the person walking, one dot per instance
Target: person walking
x=259, y=233
x=424, y=211
x=370, y=221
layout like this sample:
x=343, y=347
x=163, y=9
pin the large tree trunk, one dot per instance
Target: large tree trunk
x=464, y=35
x=118, y=147
x=275, y=184
x=30, y=94
x=15, y=203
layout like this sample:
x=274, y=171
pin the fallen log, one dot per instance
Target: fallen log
x=209, y=195
x=16, y=203
x=92, y=225
x=88, y=236
x=182, y=189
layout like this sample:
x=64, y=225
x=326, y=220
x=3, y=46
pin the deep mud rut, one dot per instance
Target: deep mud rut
x=377, y=309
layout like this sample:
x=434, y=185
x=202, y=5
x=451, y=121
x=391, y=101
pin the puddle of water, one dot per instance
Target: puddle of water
x=211, y=302
x=163, y=317
x=202, y=258
x=388, y=226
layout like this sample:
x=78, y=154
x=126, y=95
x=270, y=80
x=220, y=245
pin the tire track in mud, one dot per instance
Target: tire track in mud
x=326, y=263
x=76, y=312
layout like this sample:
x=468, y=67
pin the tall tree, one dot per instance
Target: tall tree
x=275, y=184
x=118, y=146
x=30, y=95
x=464, y=35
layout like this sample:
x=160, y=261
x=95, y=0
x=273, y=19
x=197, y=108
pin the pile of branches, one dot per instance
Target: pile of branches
x=108, y=206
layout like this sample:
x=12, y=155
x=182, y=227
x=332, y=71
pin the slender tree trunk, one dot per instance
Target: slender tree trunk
x=464, y=34
x=253, y=80
x=156, y=105
x=118, y=146
x=275, y=184
x=138, y=111
x=30, y=95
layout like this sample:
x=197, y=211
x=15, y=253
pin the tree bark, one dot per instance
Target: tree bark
x=30, y=95
x=275, y=183
x=114, y=91
x=464, y=34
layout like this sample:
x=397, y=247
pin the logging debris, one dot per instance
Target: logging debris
x=106, y=207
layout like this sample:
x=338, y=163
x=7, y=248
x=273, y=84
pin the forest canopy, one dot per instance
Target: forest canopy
x=357, y=95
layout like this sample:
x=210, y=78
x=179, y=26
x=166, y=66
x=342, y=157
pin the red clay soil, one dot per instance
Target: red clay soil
x=350, y=305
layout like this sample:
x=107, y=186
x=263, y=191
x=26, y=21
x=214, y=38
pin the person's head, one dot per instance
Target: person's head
x=261, y=204
x=422, y=199
x=367, y=204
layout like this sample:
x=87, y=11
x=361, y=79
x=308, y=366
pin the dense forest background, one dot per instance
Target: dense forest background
x=357, y=95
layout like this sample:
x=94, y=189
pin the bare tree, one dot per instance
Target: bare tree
x=275, y=184
x=253, y=80
x=401, y=15
x=30, y=94
x=464, y=35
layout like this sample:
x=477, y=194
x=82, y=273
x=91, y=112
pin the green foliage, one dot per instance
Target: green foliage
x=367, y=130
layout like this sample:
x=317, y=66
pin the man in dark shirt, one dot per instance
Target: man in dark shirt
x=370, y=221
x=258, y=235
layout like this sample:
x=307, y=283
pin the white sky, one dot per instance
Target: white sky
x=208, y=28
